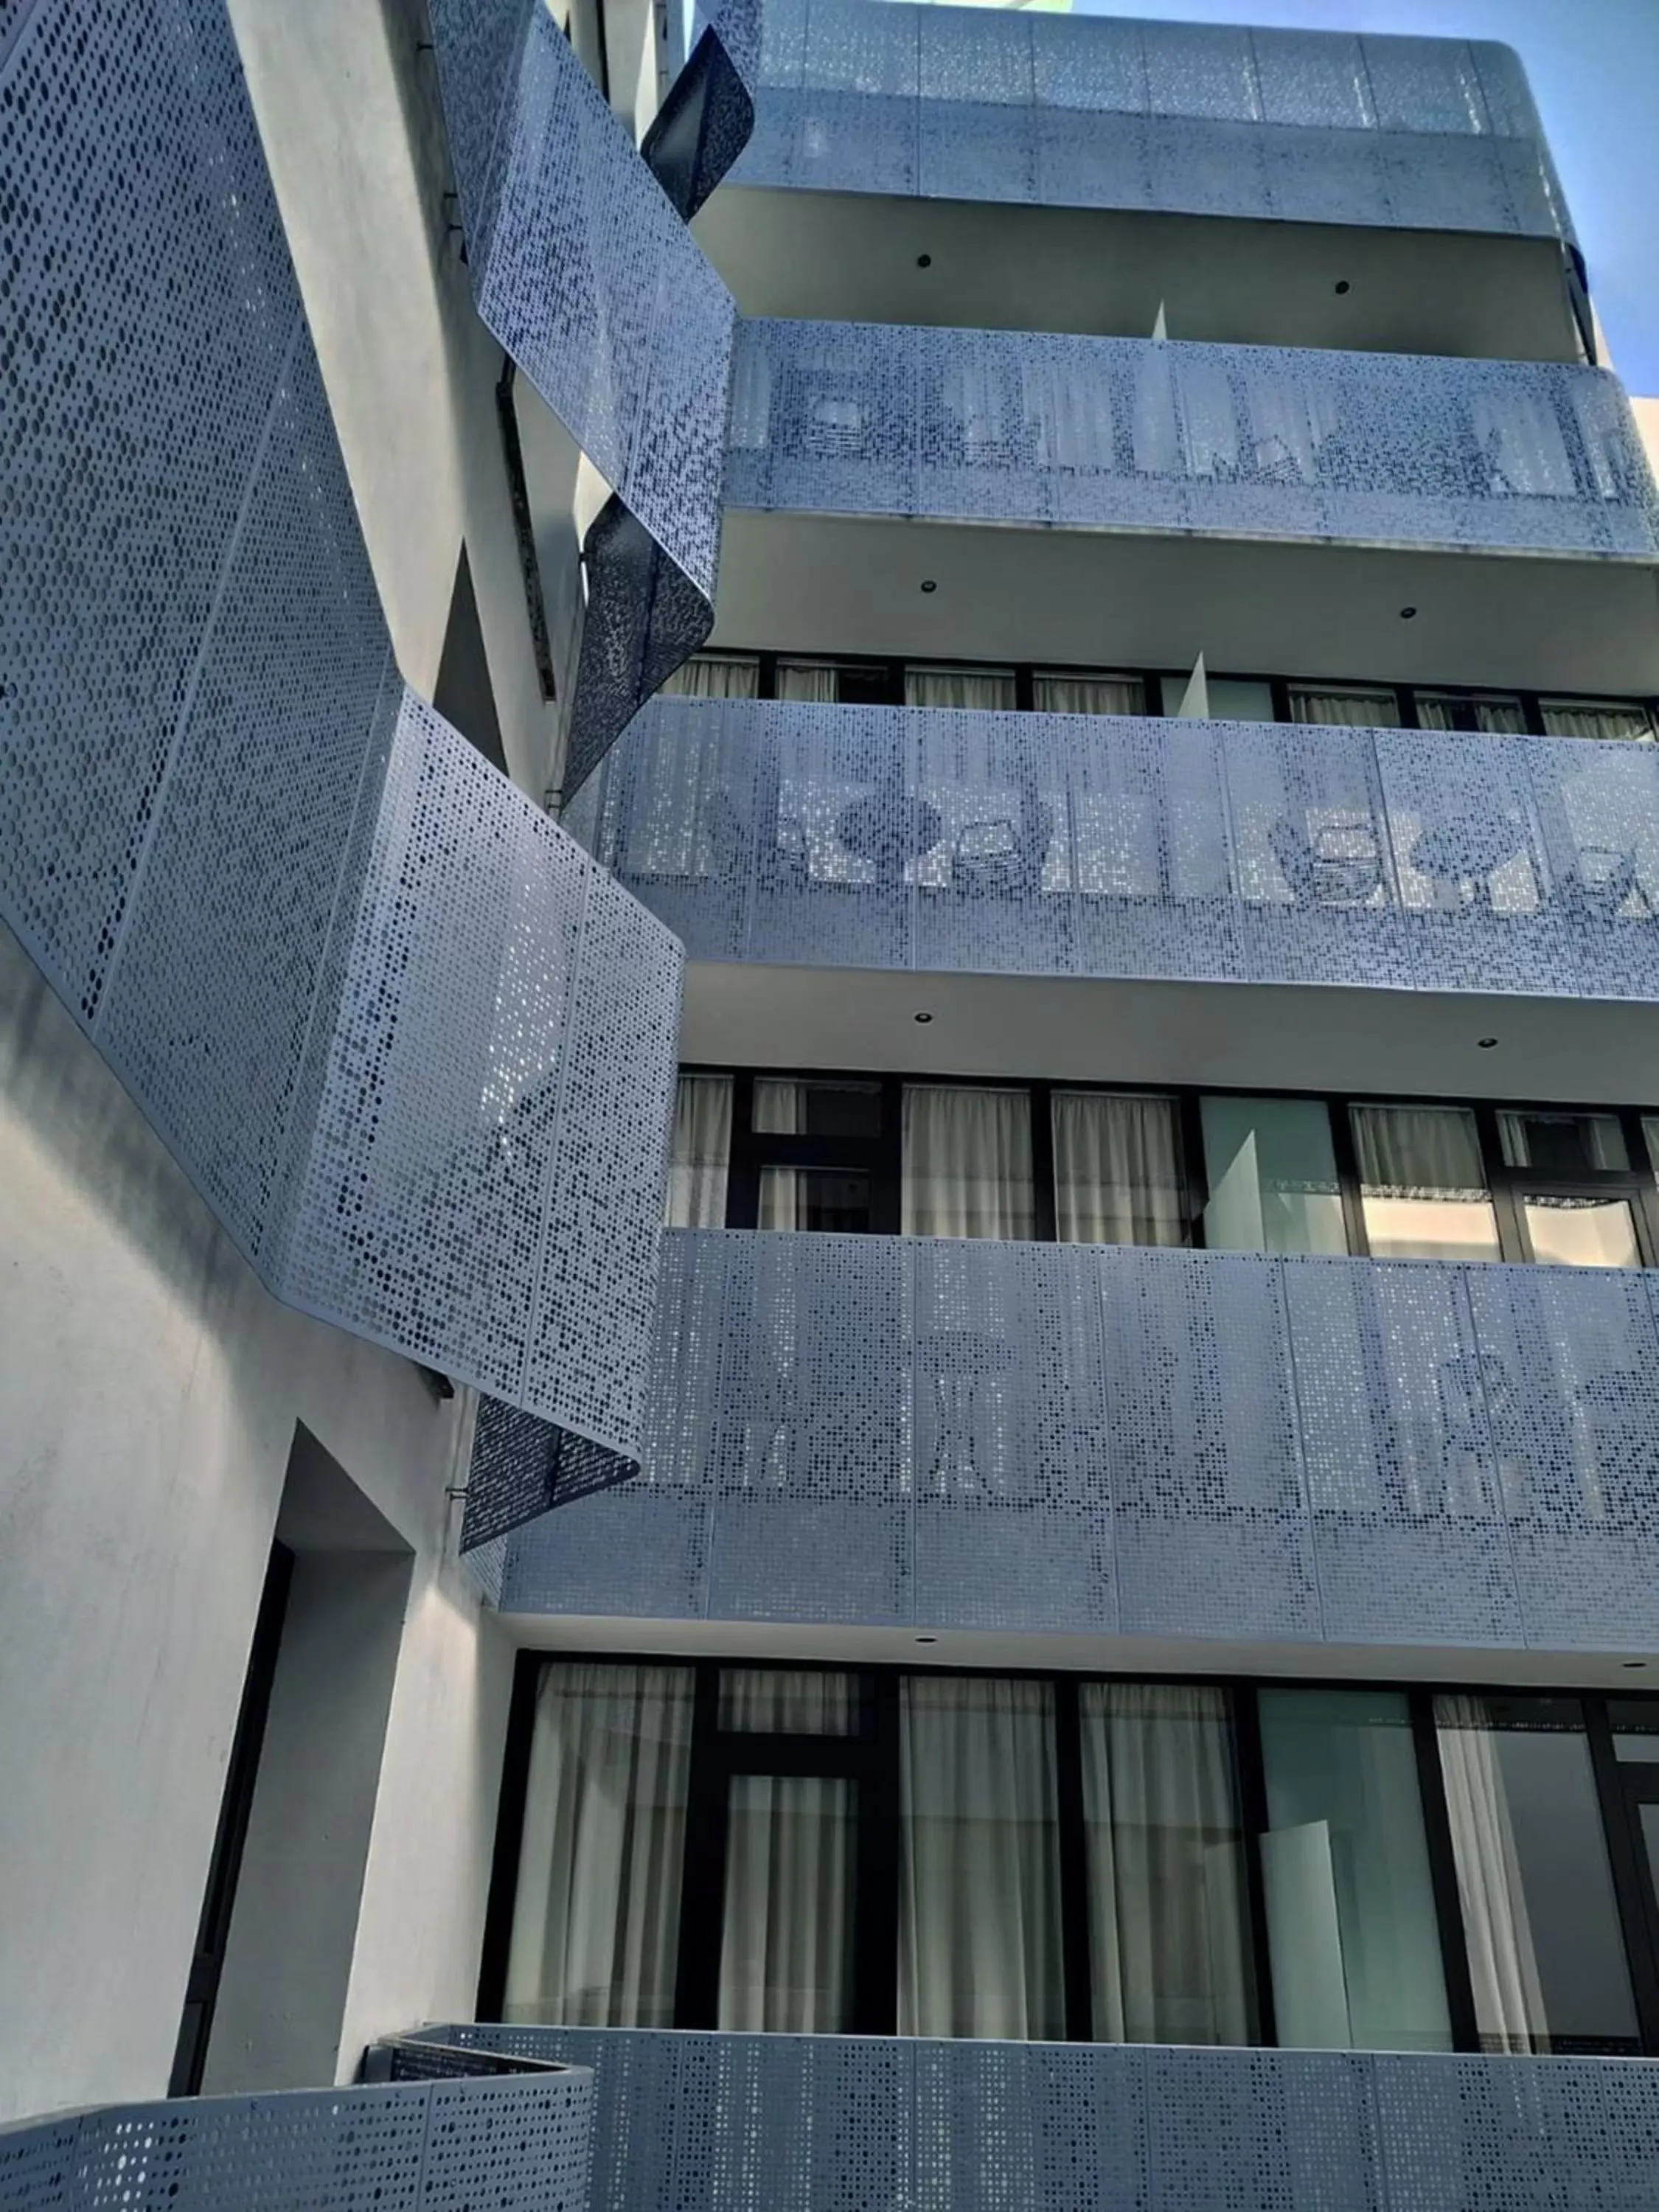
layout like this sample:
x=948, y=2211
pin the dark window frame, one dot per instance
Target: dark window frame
x=870, y=1756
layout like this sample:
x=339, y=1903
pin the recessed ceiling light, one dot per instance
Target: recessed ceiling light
x=1343, y=285
x=1629, y=1662
x=1408, y=614
x=924, y=261
x=924, y=1018
x=933, y=1640
x=1486, y=1044
x=928, y=585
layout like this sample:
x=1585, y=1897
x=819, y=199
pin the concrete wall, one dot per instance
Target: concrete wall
x=348, y=111
x=149, y=1394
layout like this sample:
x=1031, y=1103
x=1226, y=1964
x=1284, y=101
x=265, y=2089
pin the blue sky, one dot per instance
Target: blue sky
x=1594, y=71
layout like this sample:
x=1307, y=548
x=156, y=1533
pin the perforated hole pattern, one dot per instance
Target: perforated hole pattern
x=891, y=1431
x=1195, y=118
x=731, y=2123
x=380, y=1009
x=1253, y=442
x=1161, y=848
x=516, y=2145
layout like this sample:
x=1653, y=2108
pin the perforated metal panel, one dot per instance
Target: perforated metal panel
x=1166, y=848
x=728, y=2123
x=1195, y=118
x=518, y=2144
x=913, y=1432
x=1133, y=434
x=379, y=1006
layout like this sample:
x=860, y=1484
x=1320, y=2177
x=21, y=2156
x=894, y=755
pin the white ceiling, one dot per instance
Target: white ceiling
x=795, y=582
x=851, y=256
x=1271, y=1036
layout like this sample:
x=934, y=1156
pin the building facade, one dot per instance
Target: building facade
x=833, y=917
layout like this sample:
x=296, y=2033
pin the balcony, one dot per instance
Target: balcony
x=728, y=2121
x=1067, y=173
x=879, y=1433
x=1425, y=519
x=1424, y=883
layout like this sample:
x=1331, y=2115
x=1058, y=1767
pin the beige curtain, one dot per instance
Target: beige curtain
x=1117, y=1170
x=1089, y=695
x=984, y=687
x=1509, y=1996
x=967, y=1161
x=596, y=1921
x=1502, y=717
x=786, y=1938
x=798, y=1700
x=1582, y=718
x=699, y=1152
x=715, y=676
x=809, y=683
x=1347, y=709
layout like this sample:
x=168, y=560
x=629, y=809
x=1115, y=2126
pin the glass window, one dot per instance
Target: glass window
x=787, y=1927
x=978, y=1876
x=967, y=1161
x=809, y=682
x=1596, y=717
x=699, y=1153
x=1351, y=1934
x=1561, y=1144
x=1347, y=705
x=1545, y=1954
x=1271, y=1169
x=1422, y=1184
x=795, y=1700
x=817, y=1110
x=1635, y=1725
x=1118, y=1177
x=596, y=1921
x=1088, y=695
x=1492, y=711
x=1167, y=1919
x=959, y=687
x=1230, y=698
x=830, y=1202
x=1575, y=1231
x=715, y=676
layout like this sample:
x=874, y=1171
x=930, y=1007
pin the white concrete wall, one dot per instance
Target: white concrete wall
x=353, y=131
x=149, y=1394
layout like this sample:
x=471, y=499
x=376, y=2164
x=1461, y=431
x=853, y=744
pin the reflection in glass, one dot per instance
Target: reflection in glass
x=832, y=1201
x=783, y=1108
x=1580, y=1232
x=597, y=1917
x=978, y=1876
x=967, y=1161
x=1271, y=1174
x=786, y=1931
x=1352, y=1933
x=1117, y=1170
x=1561, y=1144
x=1422, y=1184
x=1545, y=1954
x=793, y=1700
x=1167, y=1916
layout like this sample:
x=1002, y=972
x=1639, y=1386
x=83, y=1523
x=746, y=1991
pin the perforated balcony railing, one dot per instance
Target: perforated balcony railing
x=1137, y=434
x=730, y=2122
x=1201, y=119
x=1158, y=849
x=896, y=1431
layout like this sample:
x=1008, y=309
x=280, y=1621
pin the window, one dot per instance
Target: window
x=1230, y=698
x=716, y=675
x=1118, y=1176
x=814, y=1157
x=1271, y=1174
x=876, y=1850
x=699, y=1153
x=1493, y=712
x=1597, y=717
x=1576, y=1198
x=967, y=1161
x=1422, y=1184
x=1347, y=705
x=1352, y=1931
x=981, y=688
x=1086, y=693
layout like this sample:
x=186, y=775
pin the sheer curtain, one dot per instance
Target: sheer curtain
x=959, y=687
x=979, y=1897
x=1166, y=1865
x=1423, y=1188
x=1583, y=718
x=1347, y=709
x=786, y=1940
x=812, y=682
x=779, y=1112
x=1499, y=717
x=967, y=1161
x=798, y=1700
x=714, y=675
x=1089, y=695
x=1508, y=1995
x=596, y=1921
x=699, y=1152
x=1117, y=1171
